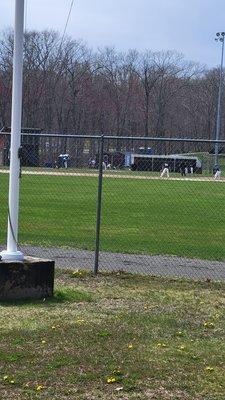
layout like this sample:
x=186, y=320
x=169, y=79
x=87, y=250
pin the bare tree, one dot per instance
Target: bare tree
x=67, y=88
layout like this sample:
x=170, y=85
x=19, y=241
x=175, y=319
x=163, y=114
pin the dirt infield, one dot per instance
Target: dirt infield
x=114, y=175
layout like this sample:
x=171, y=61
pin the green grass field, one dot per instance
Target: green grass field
x=138, y=216
x=115, y=337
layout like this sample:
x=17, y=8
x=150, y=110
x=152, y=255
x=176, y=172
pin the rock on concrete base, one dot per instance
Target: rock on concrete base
x=32, y=278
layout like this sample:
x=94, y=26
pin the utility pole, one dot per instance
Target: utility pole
x=12, y=252
x=219, y=38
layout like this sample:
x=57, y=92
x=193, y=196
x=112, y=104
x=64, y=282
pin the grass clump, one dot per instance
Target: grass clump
x=69, y=294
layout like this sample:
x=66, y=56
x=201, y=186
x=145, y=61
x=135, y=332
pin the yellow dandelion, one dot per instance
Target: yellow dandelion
x=43, y=341
x=117, y=371
x=130, y=346
x=180, y=333
x=53, y=327
x=209, y=369
x=182, y=347
x=39, y=387
x=77, y=273
x=208, y=324
x=111, y=379
x=12, y=381
x=5, y=377
x=80, y=321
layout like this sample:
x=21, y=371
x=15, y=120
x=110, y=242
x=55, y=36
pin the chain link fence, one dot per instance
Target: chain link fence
x=145, y=205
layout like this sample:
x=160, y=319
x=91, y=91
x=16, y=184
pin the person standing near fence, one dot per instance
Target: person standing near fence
x=217, y=172
x=182, y=169
x=165, y=171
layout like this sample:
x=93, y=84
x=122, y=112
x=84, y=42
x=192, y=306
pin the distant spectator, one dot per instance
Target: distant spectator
x=183, y=169
x=92, y=163
x=63, y=160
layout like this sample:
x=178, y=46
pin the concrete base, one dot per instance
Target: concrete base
x=32, y=278
x=11, y=256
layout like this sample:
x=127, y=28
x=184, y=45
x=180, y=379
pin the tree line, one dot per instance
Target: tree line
x=69, y=88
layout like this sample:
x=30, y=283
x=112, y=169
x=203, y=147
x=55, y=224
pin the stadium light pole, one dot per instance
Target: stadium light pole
x=219, y=38
x=12, y=252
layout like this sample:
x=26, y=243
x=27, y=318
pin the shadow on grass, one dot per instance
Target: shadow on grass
x=61, y=295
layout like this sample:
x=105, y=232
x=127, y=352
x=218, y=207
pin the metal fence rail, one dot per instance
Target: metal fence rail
x=143, y=205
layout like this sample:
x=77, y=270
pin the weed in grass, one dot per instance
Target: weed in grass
x=59, y=362
x=79, y=273
x=71, y=295
x=104, y=333
x=11, y=358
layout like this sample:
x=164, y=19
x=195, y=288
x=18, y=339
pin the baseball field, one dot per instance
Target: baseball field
x=141, y=216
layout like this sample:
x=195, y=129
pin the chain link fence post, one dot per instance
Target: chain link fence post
x=99, y=204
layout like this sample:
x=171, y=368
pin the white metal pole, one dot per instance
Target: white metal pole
x=12, y=253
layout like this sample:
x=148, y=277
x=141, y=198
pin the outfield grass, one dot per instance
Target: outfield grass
x=138, y=216
x=115, y=337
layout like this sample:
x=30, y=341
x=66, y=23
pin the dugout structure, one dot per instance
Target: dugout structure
x=115, y=159
x=175, y=162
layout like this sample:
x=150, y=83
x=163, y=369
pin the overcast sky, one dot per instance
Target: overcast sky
x=188, y=26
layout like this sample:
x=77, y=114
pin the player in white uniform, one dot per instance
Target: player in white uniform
x=165, y=171
x=217, y=172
